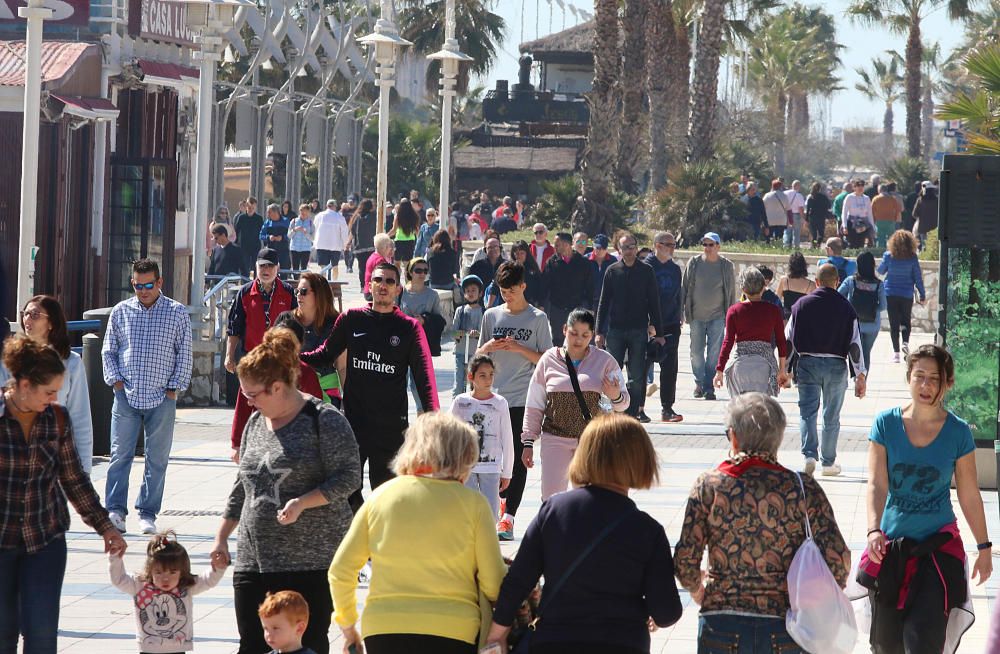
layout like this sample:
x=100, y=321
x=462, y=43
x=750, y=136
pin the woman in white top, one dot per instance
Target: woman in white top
x=331, y=236
x=43, y=320
x=857, y=220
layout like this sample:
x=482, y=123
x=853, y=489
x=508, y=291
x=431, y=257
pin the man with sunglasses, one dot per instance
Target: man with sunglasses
x=540, y=247
x=147, y=359
x=669, y=278
x=383, y=345
x=709, y=289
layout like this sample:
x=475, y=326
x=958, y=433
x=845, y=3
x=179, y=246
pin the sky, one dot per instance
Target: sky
x=528, y=19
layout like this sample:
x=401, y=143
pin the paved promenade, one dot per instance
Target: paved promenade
x=96, y=618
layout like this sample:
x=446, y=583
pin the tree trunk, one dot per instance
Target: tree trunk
x=592, y=210
x=705, y=89
x=927, y=118
x=633, y=92
x=887, y=130
x=914, y=55
x=802, y=115
x=661, y=41
x=779, y=132
x=678, y=76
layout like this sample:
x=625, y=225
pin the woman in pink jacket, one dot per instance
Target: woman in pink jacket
x=557, y=410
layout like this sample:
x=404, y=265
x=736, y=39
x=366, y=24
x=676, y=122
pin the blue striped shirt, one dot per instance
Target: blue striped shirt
x=148, y=349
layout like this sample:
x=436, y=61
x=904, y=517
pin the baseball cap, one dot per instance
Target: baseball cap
x=713, y=236
x=601, y=241
x=472, y=279
x=267, y=256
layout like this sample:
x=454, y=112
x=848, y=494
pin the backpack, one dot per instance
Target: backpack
x=865, y=299
x=857, y=224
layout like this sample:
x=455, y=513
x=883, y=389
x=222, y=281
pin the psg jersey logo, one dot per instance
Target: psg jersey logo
x=394, y=341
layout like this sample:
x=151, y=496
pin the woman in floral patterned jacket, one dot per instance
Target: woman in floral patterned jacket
x=748, y=512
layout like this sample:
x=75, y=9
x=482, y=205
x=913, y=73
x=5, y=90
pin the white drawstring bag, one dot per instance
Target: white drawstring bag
x=820, y=618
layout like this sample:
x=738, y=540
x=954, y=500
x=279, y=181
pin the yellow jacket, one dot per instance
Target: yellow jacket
x=433, y=547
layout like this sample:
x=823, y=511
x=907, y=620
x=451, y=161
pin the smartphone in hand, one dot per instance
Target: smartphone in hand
x=492, y=648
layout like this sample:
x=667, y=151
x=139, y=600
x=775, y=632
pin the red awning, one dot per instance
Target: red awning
x=165, y=71
x=90, y=108
x=59, y=59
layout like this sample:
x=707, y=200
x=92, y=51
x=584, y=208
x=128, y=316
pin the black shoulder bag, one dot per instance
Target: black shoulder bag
x=576, y=386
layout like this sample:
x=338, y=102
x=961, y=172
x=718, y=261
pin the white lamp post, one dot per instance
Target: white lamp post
x=386, y=39
x=208, y=19
x=35, y=13
x=450, y=57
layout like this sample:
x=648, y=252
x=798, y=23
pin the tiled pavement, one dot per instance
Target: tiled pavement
x=96, y=618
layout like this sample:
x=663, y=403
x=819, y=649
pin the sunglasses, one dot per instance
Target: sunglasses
x=709, y=245
x=421, y=271
x=581, y=243
x=539, y=231
x=148, y=286
x=34, y=315
x=388, y=281
x=302, y=291
x=630, y=246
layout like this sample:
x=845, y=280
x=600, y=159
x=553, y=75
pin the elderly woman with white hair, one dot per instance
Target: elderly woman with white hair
x=755, y=326
x=385, y=248
x=433, y=548
x=750, y=513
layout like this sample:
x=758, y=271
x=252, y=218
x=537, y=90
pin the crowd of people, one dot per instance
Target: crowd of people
x=542, y=335
x=862, y=214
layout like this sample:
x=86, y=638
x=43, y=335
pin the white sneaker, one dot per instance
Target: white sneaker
x=147, y=526
x=895, y=357
x=831, y=470
x=652, y=388
x=809, y=466
x=906, y=350
x=117, y=521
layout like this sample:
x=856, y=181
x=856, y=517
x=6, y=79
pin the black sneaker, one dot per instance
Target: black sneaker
x=698, y=393
x=710, y=395
x=670, y=416
x=643, y=418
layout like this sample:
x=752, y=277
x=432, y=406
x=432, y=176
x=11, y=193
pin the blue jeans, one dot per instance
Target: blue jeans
x=706, y=343
x=30, y=587
x=158, y=423
x=867, y=342
x=460, y=373
x=633, y=342
x=726, y=633
x=826, y=377
x=793, y=233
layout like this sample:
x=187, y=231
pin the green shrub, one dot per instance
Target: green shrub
x=696, y=200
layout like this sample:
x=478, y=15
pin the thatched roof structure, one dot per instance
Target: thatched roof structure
x=570, y=46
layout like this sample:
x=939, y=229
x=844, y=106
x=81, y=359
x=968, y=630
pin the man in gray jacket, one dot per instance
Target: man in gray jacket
x=709, y=290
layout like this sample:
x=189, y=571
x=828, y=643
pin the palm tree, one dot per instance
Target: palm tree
x=478, y=30
x=882, y=84
x=661, y=43
x=592, y=211
x=817, y=75
x=632, y=90
x=705, y=87
x=932, y=64
x=904, y=17
x=979, y=110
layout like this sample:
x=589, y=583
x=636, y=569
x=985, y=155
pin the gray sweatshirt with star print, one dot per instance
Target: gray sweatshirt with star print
x=316, y=450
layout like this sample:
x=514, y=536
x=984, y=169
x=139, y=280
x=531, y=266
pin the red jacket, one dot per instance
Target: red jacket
x=246, y=317
x=547, y=252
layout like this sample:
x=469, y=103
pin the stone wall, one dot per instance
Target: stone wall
x=924, y=317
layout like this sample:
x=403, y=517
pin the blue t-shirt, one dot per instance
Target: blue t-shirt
x=919, y=500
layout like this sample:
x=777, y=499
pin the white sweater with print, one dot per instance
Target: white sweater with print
x=164, y=621
x=491, y=420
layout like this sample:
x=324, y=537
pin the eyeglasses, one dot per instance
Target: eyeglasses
x=420, y=271
x=148, y=286
x=253, y=396
x=388, y=281
x=630, y=246
x=34, y=315
x=302, y=291
x=666, y=244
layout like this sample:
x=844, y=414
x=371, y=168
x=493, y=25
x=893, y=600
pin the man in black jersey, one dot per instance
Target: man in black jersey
x=383, y=344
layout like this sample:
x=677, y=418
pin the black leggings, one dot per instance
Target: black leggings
x=515, y=490
x=250, y=588
x=817, y=229
x=900, y=310
x=919, y=629
x=300, y=260
x=416, y=644
x=378, y=470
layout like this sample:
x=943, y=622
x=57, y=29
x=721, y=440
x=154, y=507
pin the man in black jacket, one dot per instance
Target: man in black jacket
x=629, y=305
x=227, y=259
x=565, y=282
x=247, y=225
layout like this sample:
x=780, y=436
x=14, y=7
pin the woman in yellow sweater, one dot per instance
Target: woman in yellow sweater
x=432, y=545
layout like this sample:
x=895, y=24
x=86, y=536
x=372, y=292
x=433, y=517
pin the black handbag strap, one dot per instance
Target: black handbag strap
x=548, y=594
x=576, y=386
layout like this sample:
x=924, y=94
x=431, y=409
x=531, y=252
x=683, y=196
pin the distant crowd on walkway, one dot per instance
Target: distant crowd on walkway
x=542, y=335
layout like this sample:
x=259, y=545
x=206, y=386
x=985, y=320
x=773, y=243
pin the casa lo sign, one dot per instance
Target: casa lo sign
x=165, y=21
x=64, y=12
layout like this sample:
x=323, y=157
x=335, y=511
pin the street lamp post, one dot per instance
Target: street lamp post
x=35, y=13
x=208, y=19
x=450, y=56
x=386, y=40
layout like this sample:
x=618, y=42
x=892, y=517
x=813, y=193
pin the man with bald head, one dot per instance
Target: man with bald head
x=824, y=330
